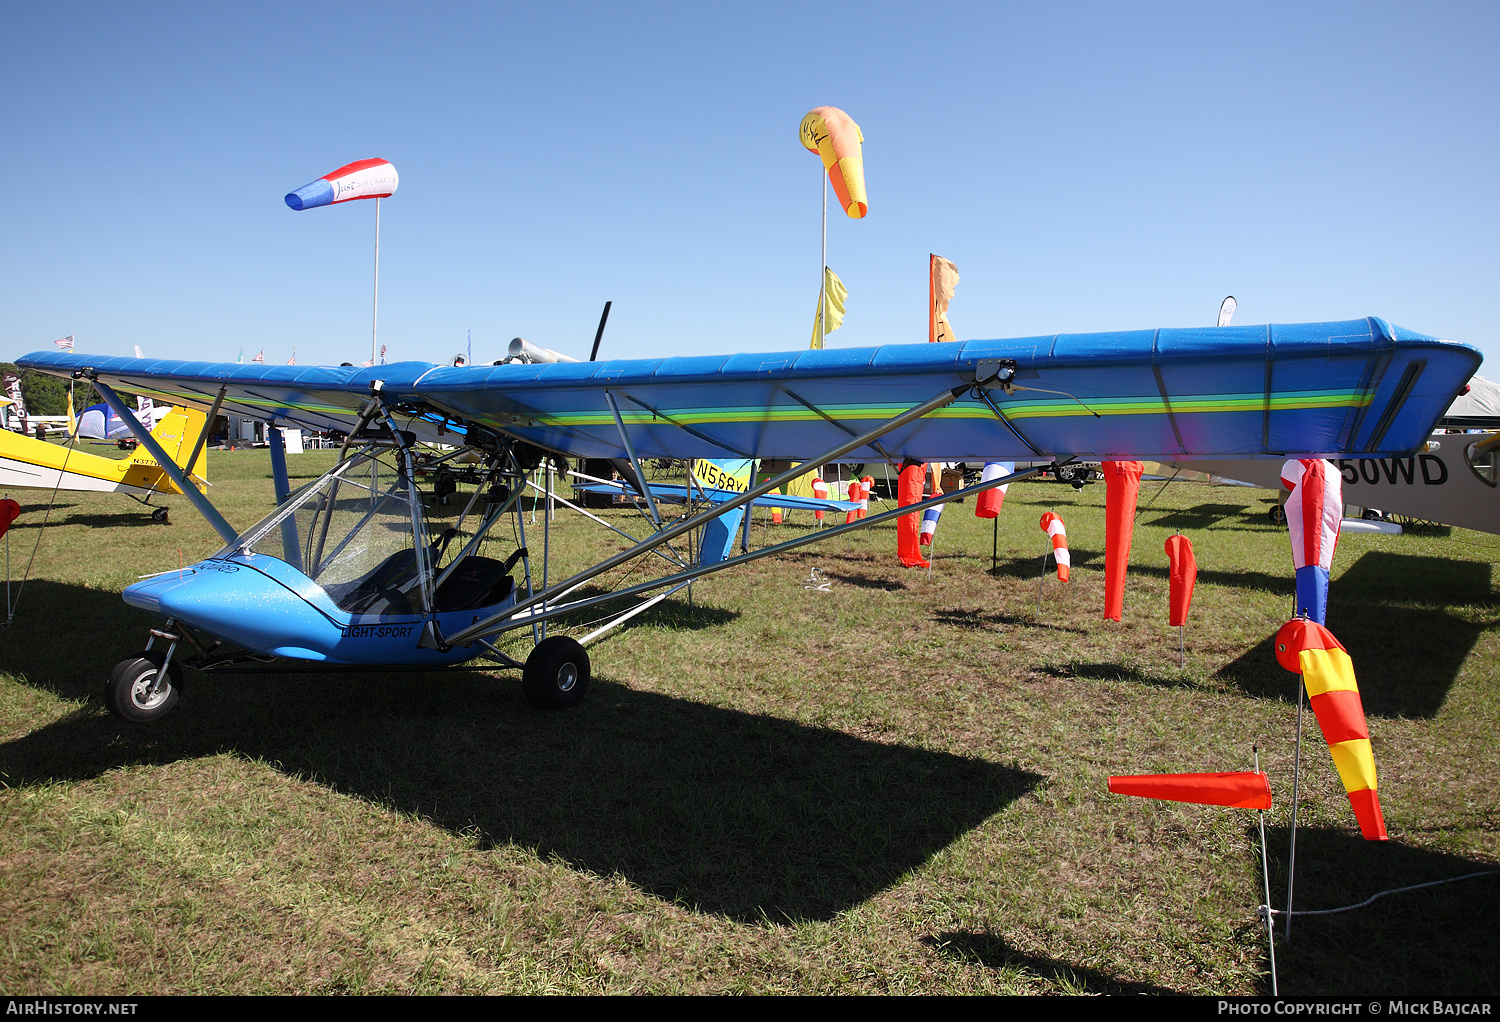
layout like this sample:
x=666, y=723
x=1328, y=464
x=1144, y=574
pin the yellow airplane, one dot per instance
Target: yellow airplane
x=28, y=464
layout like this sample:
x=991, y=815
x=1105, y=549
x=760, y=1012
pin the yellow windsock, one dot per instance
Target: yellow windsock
x=834, y=136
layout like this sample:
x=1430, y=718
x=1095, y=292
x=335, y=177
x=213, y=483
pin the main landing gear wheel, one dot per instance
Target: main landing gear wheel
x=159, y=514
x=1276, y=513
x=556, y=674
x=128, y=693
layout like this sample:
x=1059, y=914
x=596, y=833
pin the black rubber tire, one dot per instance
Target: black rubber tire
x=1371, y=514
x=1067, y=473
x=159, y=514
x=124, y=691
x=556, y=674
x=1276, y=513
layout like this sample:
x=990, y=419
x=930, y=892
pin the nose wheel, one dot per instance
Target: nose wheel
x=132, y=692
x=556, y=674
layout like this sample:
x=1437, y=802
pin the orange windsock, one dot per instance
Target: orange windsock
x=1243, y=789
x=9, y=512
x=866, y=484
x=1052, y=525
x=1122, y=483
x=833, y=135
x=854, y=494
x=820, y=491
x=1307, y=648
x=909, y=491
x=1184, y=574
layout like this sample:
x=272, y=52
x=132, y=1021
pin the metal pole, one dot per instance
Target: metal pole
x=823, y=268
x=375, y=309
x=1265, y=873
x=1291, y=866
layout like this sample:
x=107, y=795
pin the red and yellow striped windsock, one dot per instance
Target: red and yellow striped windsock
x=1052, y=525
x=1307, y=648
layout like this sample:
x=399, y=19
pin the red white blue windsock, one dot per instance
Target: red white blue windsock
x=987, y=504
x=929, y=523
x=1052, y=525
x=362, y=179
x=1314, y=511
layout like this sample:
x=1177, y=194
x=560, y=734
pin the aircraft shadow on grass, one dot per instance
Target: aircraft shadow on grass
x=747, y=816
x=974, y=619
x=1222, y=516
x=994, y=952
x=1391, y=612
x=1444, y=938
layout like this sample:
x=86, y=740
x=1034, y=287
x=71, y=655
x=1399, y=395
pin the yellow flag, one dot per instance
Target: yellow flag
x=835, y=294
x=72, y=421
x=942, y=279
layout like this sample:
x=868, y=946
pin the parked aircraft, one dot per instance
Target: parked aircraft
x=352, y=572
x=30, y=464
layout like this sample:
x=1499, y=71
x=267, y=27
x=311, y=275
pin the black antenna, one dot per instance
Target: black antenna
x=598, y=336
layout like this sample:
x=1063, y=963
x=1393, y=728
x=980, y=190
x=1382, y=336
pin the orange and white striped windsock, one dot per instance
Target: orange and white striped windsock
x=1052, y=525
x=1307, y=648
x=866, y=484
x=820, y=491
x=855, y=493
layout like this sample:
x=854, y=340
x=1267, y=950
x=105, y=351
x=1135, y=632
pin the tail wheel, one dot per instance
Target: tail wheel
x=129, y=695
x=159, y=514
x=556, y=674
x=1276, y=513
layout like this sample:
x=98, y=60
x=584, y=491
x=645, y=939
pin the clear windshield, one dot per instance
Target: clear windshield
x=352, y=533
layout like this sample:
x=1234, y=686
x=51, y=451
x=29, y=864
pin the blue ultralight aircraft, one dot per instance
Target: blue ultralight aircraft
x=353, y=572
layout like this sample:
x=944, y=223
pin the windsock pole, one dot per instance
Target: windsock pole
x=1265, y=876
x=1291, y=865
x=823, y=268
x=375, y=310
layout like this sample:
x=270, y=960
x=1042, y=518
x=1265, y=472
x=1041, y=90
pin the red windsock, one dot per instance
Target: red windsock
x=1307, y=648
x=909, y=491
x=1052, y=525
x=1241, y=790
x=1184, y=574
x=820, y=491
x=854, y=491
x=1122, y=483
x=9, y=512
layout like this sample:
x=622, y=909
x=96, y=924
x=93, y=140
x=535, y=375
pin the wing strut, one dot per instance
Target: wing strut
x=939, y=400
x=167, y=465
x=635, y=463
x=496, y=624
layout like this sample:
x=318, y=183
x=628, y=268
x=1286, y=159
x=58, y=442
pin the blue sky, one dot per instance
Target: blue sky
x=1087, y=167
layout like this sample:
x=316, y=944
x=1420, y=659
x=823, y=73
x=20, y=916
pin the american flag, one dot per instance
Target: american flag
x=382, y=354
x=65, y=343
x=260, y=356
x=368, y=363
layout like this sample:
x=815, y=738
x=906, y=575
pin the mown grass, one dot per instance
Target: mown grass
x=897, y=785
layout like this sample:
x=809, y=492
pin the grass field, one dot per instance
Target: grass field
x=897, y=785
